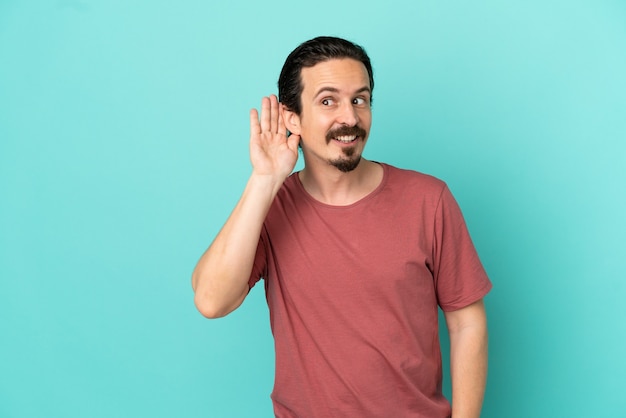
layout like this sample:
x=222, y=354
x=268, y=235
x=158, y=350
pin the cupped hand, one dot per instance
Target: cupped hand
x=271, y=151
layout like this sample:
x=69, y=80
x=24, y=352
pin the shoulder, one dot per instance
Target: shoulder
x=289, y=199
x=291, y=187
x=411, y=181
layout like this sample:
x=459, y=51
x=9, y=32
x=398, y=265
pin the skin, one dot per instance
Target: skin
x=220, y=279
x=336, y=95
x=467, y=328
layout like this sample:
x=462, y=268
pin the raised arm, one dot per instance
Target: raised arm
x=220, y=279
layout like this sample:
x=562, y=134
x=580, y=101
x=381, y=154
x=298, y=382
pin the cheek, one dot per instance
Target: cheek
x=323, y=124
x=365, y=113
x=366, y=119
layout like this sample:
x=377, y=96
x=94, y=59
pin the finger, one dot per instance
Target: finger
x=274, y=114
x=265, y=115
x=255, y=127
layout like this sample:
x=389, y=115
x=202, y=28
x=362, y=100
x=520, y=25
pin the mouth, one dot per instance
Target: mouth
x=346, y=139
x=346, y=135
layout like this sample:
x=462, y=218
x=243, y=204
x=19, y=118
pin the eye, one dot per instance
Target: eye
x=327, y=101
x=360, y=101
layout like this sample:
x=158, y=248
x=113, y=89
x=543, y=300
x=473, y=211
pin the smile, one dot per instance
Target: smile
x=346, y=135
x=345, y=139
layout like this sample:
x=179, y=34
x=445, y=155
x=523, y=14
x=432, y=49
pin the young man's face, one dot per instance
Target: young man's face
x=336, y=117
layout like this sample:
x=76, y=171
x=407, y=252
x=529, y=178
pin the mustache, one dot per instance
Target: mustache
x=346, y=131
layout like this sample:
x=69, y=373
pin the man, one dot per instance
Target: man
x=356, y=256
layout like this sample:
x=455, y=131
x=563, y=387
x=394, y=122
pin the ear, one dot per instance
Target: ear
x=292, y=121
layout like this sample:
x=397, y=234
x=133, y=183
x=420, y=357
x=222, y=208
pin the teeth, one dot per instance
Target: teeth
x=346, y=138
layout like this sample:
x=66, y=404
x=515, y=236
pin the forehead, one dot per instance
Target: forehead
x=344, y=74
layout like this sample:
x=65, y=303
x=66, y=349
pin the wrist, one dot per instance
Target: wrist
x=267, y=183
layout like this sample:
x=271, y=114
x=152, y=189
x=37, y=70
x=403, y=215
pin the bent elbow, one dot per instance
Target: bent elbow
x=213, y=307
x=216, y=295
x=202, y=302
x=208, y=309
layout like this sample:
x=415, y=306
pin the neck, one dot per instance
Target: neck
x=334, y=187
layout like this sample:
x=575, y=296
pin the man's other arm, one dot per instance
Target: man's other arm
x=467, y=328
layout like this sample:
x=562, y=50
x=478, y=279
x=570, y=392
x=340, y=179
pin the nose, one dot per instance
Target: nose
x=347, y=115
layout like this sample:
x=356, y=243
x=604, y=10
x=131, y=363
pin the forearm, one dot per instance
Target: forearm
x=468, y=367
x=220, y=279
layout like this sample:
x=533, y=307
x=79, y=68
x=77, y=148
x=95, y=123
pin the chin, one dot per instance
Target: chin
x=346, y=165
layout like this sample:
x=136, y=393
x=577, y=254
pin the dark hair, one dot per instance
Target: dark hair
x=310, y=53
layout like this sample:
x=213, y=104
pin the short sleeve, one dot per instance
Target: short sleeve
x=459, y=276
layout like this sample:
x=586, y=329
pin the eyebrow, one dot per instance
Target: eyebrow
x=363, y=89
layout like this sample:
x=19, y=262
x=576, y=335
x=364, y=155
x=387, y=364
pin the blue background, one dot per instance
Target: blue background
x=124, y=146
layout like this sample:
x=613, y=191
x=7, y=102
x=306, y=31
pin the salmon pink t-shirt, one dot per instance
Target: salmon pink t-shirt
x=353, y=293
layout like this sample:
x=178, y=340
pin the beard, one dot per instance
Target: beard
x=350, y=159
x=346, y=165
x=348, y=162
